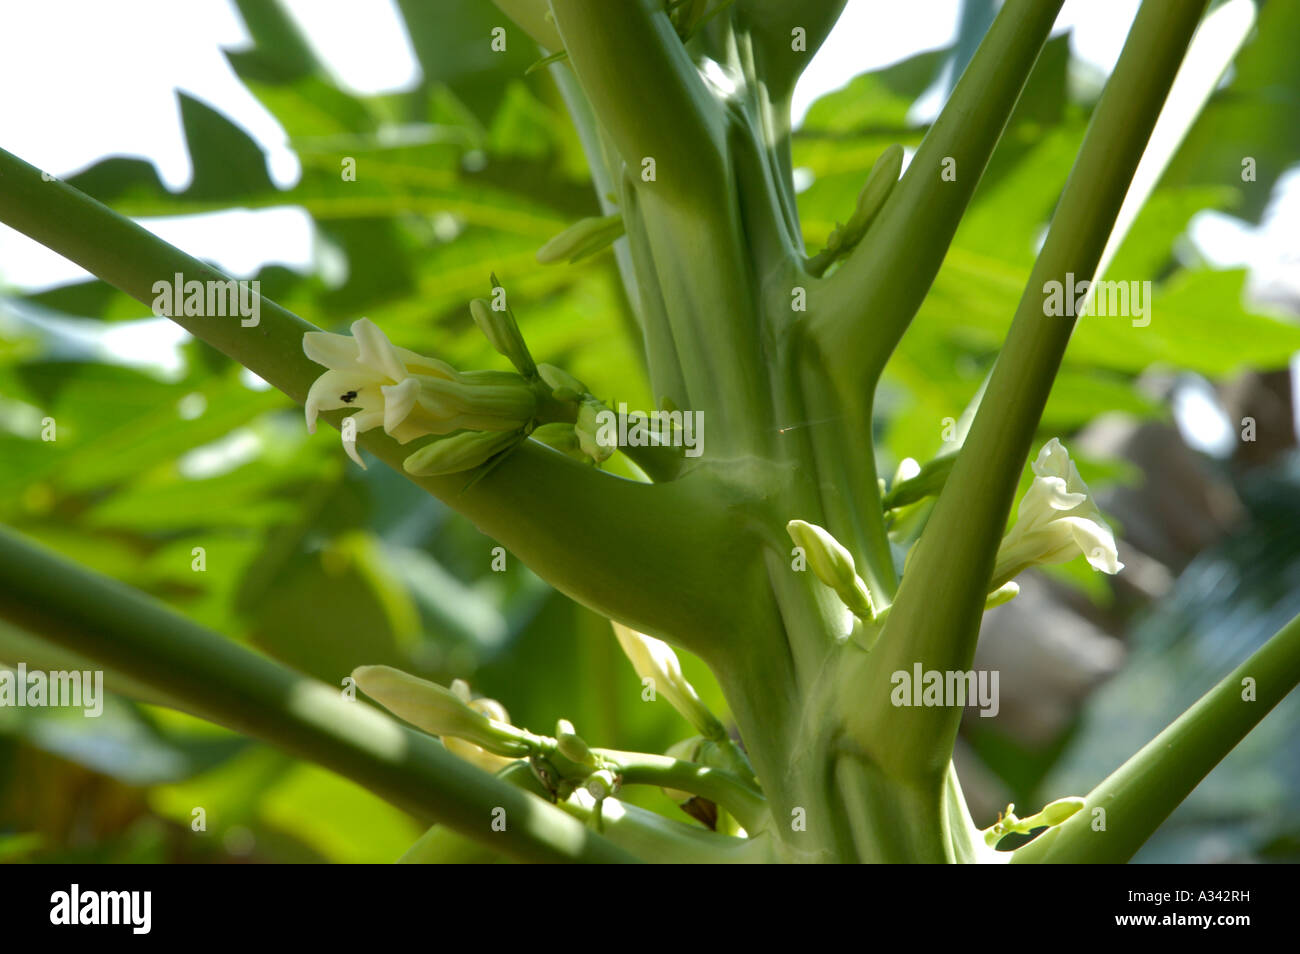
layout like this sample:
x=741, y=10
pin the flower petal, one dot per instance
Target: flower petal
x=350, y=446
x=398, y=399
x=338, y=352
x=1097, y=543
x=1053, y=460
x=326, y=395
x=423, y=364
x=376, y=351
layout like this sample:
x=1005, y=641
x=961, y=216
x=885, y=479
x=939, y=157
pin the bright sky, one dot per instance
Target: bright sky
x=110, y=90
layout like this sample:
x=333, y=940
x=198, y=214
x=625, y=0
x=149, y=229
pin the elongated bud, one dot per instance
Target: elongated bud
x=458, y=452
x=655, y=660
x=880, y=183
x=436, y=710
x=834, y=566
x=502, y=333
x=584, y=238
x=564, y=386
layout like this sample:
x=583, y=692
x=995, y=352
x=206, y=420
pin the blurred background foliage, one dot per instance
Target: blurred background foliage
x=326, y=567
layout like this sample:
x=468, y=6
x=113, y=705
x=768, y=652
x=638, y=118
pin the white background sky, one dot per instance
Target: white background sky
x=84, y=79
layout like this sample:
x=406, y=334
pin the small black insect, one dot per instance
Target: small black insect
x=349, y=397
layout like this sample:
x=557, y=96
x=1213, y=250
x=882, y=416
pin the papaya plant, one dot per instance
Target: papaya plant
x=743, y=519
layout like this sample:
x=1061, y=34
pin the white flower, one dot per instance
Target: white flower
x=1057, y=520
x=408, y=394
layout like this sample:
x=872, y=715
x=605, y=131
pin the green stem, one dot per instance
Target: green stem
x=1121, y=813
x=935, y=619
x=722, y=788
x=233, y=686
x=645, y=834
x=861, y=311
x=684, y=221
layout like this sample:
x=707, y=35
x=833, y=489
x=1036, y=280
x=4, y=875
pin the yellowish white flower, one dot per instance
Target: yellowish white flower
x=1057, y=520
x=408, y=394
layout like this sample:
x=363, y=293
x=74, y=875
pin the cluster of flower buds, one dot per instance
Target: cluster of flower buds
x=479, y=731
x=476, y=415
x=1052, y=814
x=1057, y=520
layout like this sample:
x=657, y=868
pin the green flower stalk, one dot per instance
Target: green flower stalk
x=1057, y=520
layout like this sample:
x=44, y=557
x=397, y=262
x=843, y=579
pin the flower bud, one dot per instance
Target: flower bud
x=588, y=429
x=561, y=381
x=880, y=183
x=655, y=660
x=1054, y=813
x=584, y=238
x=561, y=437
x=502, y=333
x=437, y=710
x=458, y=452
x=570, y=744
x=833, y=565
